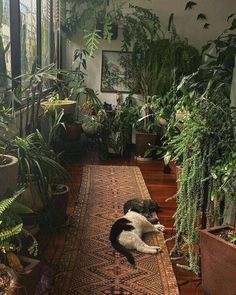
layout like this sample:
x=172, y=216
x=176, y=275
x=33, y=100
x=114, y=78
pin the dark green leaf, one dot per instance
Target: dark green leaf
x=189, y=5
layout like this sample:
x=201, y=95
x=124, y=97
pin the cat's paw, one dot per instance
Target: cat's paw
x=159, y=227
x=158, y=249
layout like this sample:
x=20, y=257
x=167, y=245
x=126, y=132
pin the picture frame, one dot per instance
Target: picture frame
x=115, y=75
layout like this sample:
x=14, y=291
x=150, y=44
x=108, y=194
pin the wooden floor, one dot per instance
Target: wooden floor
x=161, y=186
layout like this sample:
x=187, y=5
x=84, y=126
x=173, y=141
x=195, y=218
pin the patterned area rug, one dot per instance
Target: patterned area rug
x=89, y=264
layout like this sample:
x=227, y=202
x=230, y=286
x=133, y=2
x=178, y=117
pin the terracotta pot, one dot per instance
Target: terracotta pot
x=60, y=201
x=73, y=131
x=218, y=263
x=67, y=105
x=8, y=280
x=8, y=174
x=142, y=142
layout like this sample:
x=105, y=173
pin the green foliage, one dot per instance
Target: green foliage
x=92, y=40
x=11, y=227
x=37, y=163
x=84, y=17
x=205, y=142
x=141, y=27
x=116, y=129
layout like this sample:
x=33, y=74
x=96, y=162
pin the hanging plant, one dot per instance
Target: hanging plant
x=205, y=141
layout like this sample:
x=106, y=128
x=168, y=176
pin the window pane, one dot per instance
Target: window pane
x=28, y=35
x=45, y=39
x=5, y=51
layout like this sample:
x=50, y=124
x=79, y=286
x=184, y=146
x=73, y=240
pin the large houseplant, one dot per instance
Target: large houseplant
x=205, y=139
x=156, y=63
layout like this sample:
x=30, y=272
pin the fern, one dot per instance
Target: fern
x=92, y=40
x=9, y=233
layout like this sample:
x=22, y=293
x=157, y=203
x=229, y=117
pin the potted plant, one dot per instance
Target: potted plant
x=96, y=20
x=55, y=103
x=206, y=139
x=12, y=233
x=8, y=163
x=8, y=280
x=60, y=196
x=74, y=84
x=38, y=170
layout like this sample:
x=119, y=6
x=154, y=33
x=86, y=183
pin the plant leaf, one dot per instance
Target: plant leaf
x=189, y=5
x=201, y=16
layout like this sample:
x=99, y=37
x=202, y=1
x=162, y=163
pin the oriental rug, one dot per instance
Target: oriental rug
x=89, y=265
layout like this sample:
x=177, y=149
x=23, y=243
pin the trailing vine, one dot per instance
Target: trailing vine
x=205, y=141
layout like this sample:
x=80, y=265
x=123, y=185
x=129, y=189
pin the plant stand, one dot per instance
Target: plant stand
x=218, y=263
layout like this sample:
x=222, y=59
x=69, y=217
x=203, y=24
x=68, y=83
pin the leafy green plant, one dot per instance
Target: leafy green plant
x=11, y=226
x=83, y=17
x=37, y=163
x=205, y=139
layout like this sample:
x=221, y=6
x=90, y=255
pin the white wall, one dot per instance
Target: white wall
x=216, y=11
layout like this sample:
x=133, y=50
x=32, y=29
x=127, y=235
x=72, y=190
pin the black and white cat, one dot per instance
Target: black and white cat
x=126, y=234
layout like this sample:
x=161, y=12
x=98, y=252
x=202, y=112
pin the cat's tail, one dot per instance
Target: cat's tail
x=120, y=225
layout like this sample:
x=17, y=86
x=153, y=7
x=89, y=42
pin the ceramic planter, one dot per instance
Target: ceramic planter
x=142, y=142
x=218, y=263
x=67, y=105
x=8, y=174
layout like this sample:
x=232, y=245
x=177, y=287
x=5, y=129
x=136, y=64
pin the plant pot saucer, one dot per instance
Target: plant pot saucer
x=28, y=264
x=139, y=158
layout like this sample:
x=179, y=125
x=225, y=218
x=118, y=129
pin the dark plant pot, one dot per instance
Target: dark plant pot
x=142, y=142
x=218, y=263
x=60, y=201
x=73, y=131
x=114, y=30
x=8, y=174
x=31, y=222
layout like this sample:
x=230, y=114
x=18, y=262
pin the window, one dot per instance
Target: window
x=28, y=35
x=29, y=30
x=45, y=31
x=5, y=50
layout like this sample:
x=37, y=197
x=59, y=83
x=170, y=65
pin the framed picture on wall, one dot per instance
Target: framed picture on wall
x=115, y=72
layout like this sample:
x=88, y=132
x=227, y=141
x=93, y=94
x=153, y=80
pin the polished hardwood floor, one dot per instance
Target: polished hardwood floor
x=161, y=186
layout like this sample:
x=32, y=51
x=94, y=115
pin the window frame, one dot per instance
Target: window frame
x=15, y=38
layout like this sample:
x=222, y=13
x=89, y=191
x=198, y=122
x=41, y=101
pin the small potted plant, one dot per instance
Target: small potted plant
x=8, y=163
